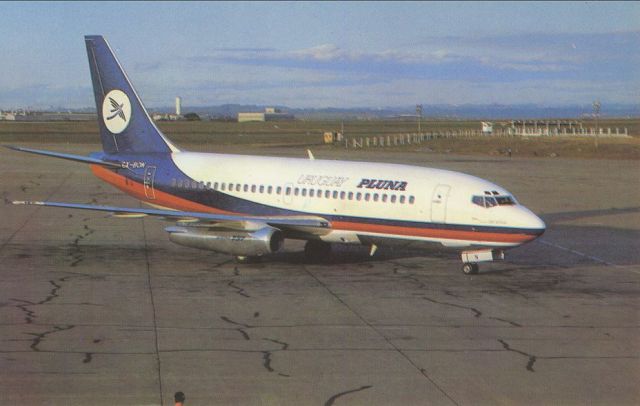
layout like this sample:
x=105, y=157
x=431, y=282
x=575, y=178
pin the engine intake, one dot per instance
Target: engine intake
x=241, y=243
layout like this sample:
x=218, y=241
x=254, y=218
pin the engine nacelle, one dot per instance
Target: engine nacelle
x=241, y=243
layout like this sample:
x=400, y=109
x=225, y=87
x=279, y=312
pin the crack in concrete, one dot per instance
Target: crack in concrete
x=333, y=398
x=239, y=329
x=513, y=323
x=266, y=355
x=477, y=313
x=30, y=315
x=76, y=255
x=266, y=362
x=39, y=337
x=283, y=344
x=532, y=358
x=238, y=289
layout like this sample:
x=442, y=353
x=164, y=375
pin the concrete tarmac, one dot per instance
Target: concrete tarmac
x=101, y=311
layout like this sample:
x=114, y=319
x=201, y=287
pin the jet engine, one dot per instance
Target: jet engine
x=240, y=243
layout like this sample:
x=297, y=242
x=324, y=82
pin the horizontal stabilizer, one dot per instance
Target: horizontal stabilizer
x=70, y=157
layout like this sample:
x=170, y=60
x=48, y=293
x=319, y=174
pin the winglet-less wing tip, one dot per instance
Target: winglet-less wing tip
x=26, y=202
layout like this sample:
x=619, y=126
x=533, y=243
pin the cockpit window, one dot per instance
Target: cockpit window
x=505, y=200
x=479, y=200
x=490, y=201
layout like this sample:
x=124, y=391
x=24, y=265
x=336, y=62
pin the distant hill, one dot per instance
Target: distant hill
x=464, y=111
x=468, y=111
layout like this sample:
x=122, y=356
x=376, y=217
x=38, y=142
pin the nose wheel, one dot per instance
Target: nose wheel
x=470, y=268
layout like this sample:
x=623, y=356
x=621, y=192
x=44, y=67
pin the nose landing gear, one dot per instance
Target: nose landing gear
x=470, y=259
x=470, y=268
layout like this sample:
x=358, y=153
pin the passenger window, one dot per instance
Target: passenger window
x=238, y=187
x=393, y=198
x=296, y=191
x=288, y=191
x=194, y=184
x=384, y=198
x=222, y=186
x=412, y=199
x=327, y=194
x=402, y=198
x=342, y=195
x=304, y=192
x=319, y=194
x=358, y=196
x=253, y=188
x=261, y=188
x=215, y=186
x=311, y=192
x=173, y=182
x=350, y=197
x=375, y=197
x=367, y=196
x=269, y=189
x=279, y=190
x=335, y=194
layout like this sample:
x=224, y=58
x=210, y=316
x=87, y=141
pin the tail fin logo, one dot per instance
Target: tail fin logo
x=116, y=111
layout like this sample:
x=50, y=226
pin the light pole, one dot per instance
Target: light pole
x=596, y=113
x=419, y=114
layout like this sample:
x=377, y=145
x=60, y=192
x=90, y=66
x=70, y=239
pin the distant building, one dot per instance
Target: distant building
x=22, y=115
x=487, y=127
x=7, y=115
x=165, y=117
x=269, y=114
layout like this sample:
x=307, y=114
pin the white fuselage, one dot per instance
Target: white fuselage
x=351, y=192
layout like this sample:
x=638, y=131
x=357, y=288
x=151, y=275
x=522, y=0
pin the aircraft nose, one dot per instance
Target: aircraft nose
x=533, y=222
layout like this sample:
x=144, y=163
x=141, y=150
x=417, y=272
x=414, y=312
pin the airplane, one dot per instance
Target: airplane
x=247, y=206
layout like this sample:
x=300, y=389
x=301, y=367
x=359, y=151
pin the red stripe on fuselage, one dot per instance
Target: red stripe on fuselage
x=164, y=199
x=170, y=201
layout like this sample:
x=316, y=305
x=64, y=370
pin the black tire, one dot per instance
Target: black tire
x=470, y=268
x=240, y=259
x=317, y=251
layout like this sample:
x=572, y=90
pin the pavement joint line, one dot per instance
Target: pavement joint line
x=422, y=371
x=582, y=254
x=37, y=208
x=153, y=308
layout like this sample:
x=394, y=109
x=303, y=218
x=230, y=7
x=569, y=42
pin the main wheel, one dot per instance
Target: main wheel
x=470, y=268
x=241, y=259
x=317, y=251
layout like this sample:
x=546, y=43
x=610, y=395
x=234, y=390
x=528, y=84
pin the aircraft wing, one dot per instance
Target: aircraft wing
x=299, y=225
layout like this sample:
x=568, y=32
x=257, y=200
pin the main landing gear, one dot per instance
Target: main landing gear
x=470, y=259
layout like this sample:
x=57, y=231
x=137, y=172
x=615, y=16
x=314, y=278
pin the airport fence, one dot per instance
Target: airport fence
x=418, y=138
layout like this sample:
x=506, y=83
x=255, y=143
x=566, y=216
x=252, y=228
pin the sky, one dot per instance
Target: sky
x=327, y=54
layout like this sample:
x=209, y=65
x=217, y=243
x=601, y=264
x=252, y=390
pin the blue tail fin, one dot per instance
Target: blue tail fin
x=125, y=125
